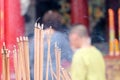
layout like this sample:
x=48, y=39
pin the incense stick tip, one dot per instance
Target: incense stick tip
x=3, y=43
x=35, y=25
x=21, y=38
x=2, y=51
x=56, y=45
x=8, y=51
x=17, y=39
x=14, y=46
x=50, y=27
x=39, y=25
x=42, y=26
x=13, y=51
x=24, y=38
x=8, y=54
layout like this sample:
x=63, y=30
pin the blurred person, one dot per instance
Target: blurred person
x=88, y=62
x=24, y=9
x=53, y=18
x=24, y=6
x=42, y=6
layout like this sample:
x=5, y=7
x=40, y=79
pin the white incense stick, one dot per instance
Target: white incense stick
x=26, y=54
x=57, y=54
x=19, y=60
x=8, y=65
x=22, y=59
x=48, y=54
x=35, y=52
x=15, y=63
x=3, y=66
x=41, y=33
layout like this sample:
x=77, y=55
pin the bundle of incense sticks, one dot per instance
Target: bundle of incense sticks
x=21, y=59
x=16, y=67
x=5, y=63
x=66, y=75
x=22, y=63
x=39, y=56
x=38, y=52
x=61, y=73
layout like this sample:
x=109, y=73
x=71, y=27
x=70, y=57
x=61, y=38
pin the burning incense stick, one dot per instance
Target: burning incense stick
x=22, y=62
x=19, y=60
x=4, y=72
x=37, y=53
x=48, y=54
x=53, y=75
x=59, y=63
x=26, y=50
x=111, y=31
x=58, y=58
x=41, y=33
x=8, y=65
x=5, y=63
x=15, y=63
x=22, y=58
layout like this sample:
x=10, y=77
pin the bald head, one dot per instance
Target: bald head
x=80, y=30
x=78, y=36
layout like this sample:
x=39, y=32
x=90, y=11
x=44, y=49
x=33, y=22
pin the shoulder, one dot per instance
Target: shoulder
x=78, y=54
x=60, y=34
x=60, y=37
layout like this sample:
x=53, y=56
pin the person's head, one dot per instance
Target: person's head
x=79, y=36
x=52, y=18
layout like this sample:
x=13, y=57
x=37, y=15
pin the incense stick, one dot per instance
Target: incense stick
x=4, y=62
x=51, y=69
x=48, y=54
x=57, y=54
x=19, y=60
x=38, y=53
x=41, y=33
x=8, y=65
x=15, y=63
x=65, y=74
x=35, y=52
x=26, y=50
x=62, y=77
x=22, y=58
